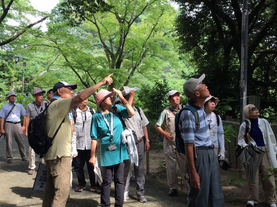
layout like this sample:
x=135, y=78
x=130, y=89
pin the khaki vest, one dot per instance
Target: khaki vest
x=170, y=122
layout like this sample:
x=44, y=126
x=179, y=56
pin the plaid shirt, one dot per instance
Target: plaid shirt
x=187, y=126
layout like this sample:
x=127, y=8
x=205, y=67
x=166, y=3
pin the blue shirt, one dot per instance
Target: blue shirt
x=14, y=116
x=201, y=137
x=256, y=133
x=100, y=131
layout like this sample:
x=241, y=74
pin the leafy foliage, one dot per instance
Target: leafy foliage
x=211, y=32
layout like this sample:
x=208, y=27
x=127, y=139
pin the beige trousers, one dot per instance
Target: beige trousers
x=172, y=159
x=58, y=182
x=267, y=183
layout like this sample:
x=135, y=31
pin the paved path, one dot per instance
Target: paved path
x=16, y=187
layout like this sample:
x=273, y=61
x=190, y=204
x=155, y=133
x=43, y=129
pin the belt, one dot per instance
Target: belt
x=13, y=122
x=140, y=139
x=204, y=147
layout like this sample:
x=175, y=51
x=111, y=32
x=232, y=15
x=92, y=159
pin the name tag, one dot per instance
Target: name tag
x=112, y=147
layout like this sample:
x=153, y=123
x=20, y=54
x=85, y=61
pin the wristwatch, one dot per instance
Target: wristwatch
x=147, y=140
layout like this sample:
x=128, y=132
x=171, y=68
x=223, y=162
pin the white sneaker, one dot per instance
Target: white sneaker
x=126, y=197
x=273, y=205
x=250, y=203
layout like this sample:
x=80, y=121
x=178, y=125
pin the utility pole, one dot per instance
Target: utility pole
x=244, y=58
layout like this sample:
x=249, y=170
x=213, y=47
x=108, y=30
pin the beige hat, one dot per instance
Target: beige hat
x=190, y=85
x=10, y=93
x=172, y=92
x=215, y=98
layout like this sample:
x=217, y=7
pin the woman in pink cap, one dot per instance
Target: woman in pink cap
x=107, y=128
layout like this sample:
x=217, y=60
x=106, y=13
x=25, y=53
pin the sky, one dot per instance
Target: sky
x=44, y=5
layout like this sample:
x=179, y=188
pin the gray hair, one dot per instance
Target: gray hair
x=246, y=111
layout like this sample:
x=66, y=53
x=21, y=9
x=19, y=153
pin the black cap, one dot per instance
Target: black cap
x=63, y=84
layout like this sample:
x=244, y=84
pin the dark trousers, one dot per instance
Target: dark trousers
x=107, y=174
x=210, y=194
x=79, y=163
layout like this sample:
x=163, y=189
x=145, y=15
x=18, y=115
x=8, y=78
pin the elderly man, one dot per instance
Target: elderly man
x=138, y=124
x=204, y=176
x=58, y=157
x=10, y=125
x=172, y=156
x=32, y=110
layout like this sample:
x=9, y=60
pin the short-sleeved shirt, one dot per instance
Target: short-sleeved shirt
x=137, y=123
x=100, y=131
x=186, y=125
x=15, y=114
x=56, y=113
x=32, y=110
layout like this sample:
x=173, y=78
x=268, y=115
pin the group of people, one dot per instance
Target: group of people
x=87, y=135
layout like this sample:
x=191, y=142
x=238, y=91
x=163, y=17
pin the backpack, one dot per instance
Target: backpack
x=138, y=109
x=178, y=139
x=37, y=136
x=74, y=113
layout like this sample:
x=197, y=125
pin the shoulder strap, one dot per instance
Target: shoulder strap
x=91, y=111
x=9, y=112
x=60, y=123
x=217, y=118
x=195, y=113
x=246, y=134
x=74, y=114
x=138, y=109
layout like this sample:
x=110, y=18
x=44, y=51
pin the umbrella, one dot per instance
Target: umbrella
x=251, y=158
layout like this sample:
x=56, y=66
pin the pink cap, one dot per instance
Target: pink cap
x=102, y=95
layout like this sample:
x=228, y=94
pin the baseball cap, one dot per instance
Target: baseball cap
x=51, y=89
x=63, y=84
x=37, y=91
x=190, y=85
x=172, y=92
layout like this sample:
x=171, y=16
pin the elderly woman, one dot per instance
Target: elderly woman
x=215, y=126
x=107, y=128
x=262, y=136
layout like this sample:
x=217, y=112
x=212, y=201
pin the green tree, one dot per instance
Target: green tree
x=131, y=37
x=211, y=32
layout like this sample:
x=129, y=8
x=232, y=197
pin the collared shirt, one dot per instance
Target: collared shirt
x=186, y=125
x=136, y=124
x=32, y=110
x=100, y=131
x=14, y=116
x=62, y=143
x=83, y=129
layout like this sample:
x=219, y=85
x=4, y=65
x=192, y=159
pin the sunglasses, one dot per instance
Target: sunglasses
x=254, y=109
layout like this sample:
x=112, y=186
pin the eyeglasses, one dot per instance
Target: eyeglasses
x=69, y=88
x=254, y=108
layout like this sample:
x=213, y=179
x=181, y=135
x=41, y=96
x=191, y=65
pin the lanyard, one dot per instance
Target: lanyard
x=110, y=128
x=12, y=108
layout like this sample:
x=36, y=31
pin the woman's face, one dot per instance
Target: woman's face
x=253, y=112
x=107, y=101
x=210, y=106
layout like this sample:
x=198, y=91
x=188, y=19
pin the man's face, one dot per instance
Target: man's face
x=66, y=92
x=84, y=103
x=175, y=99
x=203, y=91
x=38, y=97
x=50, y=95
x=12, y=98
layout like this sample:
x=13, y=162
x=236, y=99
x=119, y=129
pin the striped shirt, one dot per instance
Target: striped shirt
x=187, y=127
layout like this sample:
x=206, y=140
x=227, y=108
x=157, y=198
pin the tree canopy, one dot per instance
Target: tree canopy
x=211, y=31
